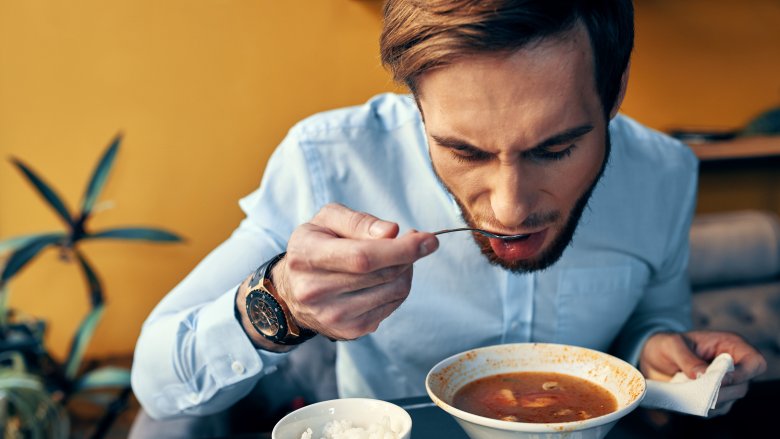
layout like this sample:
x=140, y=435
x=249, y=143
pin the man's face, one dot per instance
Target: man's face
x=520, y=140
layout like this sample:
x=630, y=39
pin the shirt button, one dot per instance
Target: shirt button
x=194, y=398
x=237, y=367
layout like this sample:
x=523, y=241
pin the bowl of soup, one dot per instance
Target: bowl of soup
x=535, y=390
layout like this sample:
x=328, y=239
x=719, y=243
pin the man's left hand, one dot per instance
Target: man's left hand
x=665, y=354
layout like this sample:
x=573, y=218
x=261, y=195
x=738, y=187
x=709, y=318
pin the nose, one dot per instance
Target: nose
x=512, y=196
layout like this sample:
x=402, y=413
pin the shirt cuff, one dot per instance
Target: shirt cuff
x=634, y=343
x=227, y=350
x=633, y=354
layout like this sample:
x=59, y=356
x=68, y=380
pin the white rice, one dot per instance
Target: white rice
x=343, y=429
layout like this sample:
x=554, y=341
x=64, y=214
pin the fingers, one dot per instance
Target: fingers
x=346, y=271
x=366, y=304
x=356, y=313
x=313, y=288
x=347, y=223
x=375, y=311
x=666, y=353
x=690, y=363
x=669, y=354
x=748, y=362
x=355, y=255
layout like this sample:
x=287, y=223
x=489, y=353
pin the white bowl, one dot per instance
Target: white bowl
x=361, y=411
x=624, y=381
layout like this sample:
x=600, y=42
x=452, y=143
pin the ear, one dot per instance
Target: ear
x=621, y=93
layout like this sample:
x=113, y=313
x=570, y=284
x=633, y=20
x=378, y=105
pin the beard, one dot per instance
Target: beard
x=555, y=249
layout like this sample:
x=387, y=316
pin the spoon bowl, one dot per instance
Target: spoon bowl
x=482, y=232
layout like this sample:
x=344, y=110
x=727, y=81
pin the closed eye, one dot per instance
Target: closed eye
x=550, y=153
x=462, y=151
x=560, y=145
x=468, y=154
x=556, y=147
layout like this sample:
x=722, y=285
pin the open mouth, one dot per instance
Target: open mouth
x=518, y=238
x=521, y=247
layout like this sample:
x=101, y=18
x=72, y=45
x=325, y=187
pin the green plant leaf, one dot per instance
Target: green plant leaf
x=81, y=340
x=33, y=407
x=87, y=327
x=12, y=244
x=17, y=365
x=109, y=376
x=99, y=177
x=20, y=380
x=93, y=281
x=23, y=255
x=136, y=233
x=98, y=397
x=23, y=392
x=3, y=306
x=46, y=191
x=765, y=124
x=25, y=411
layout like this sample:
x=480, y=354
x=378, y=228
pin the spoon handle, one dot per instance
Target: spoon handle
x=482, y=232
x=462, y=229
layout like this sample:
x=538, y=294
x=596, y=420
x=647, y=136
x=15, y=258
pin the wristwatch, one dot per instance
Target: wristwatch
x=268, y=313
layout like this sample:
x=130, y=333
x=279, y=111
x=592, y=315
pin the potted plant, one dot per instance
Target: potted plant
x=33, y=385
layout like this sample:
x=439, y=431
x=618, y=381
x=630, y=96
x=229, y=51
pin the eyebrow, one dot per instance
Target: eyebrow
x=565, y=136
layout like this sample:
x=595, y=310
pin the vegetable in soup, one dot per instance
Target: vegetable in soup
x=535, y=397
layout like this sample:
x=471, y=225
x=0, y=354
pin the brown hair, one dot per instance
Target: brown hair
x=420, y=35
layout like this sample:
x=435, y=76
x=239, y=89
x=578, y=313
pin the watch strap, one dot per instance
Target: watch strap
x=264, y=271
x=262, y=280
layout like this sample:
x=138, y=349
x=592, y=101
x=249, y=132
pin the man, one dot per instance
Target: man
x=511, y=127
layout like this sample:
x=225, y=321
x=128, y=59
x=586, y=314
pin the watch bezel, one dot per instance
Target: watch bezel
x=265, y=296
x=261, y=284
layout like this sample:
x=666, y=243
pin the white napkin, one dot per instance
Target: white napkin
x=684, y=395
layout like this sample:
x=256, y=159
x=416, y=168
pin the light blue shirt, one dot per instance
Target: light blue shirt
x=622, y=278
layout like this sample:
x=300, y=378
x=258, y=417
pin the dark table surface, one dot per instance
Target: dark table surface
x=750, y=417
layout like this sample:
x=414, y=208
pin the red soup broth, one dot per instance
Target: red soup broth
x=542, y=397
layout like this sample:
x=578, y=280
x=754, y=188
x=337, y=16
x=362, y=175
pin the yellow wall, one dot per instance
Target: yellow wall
x=704, y=63
x=204, y=90
x=710, y=64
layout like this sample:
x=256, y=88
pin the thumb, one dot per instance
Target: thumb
x=378, y=228
x=688, y=362
x=348, y=223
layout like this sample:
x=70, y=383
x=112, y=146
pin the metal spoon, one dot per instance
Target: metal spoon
x=481, y=232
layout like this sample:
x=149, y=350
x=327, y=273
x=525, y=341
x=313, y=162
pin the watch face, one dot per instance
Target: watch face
x=266, y=315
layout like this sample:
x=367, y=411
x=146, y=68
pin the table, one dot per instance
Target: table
x=740, y=148
x=752, y=416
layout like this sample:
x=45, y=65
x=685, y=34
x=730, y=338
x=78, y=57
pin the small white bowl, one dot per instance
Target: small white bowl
x=361, y=411
x=624, y=381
